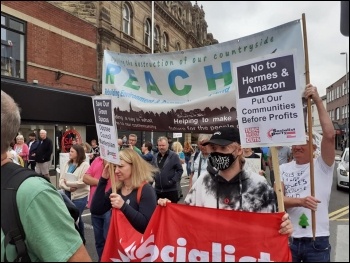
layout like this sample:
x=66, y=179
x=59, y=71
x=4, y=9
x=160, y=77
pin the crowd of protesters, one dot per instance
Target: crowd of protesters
x=215, y=169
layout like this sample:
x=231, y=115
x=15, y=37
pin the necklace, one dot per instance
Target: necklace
x=128, y=188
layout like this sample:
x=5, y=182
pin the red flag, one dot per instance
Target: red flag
x=181, y=233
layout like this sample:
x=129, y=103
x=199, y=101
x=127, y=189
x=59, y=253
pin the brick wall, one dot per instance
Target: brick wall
x=49, y=51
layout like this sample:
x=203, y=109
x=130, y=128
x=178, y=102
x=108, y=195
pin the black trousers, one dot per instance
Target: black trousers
x=172, y=196
x=32, y=165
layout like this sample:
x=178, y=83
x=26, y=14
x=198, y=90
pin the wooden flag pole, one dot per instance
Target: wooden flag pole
x=112, y=177
x=278, y=185
x=309, y=120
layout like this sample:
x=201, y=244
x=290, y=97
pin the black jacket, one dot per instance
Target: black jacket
x=169, y=175
x=44, y=151
x=33, y=149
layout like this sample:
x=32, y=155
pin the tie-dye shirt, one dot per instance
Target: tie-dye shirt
x=247, y=191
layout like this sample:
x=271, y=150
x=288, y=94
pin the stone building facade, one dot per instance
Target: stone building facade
x=125, y=26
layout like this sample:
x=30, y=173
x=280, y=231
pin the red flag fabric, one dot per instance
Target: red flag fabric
x=181, y=233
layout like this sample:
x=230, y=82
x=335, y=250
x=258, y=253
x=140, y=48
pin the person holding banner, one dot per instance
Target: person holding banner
x=226, y=185
x=132, y=172
x=100, y=223
x=296, y=182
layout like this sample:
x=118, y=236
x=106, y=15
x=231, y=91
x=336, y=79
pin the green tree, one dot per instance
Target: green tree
x=303, y=221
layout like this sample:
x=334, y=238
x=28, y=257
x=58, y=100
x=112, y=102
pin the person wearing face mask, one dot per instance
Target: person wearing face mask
x=226, y=185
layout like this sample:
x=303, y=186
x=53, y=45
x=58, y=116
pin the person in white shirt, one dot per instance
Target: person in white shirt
x=200, y=159
x=298, y=200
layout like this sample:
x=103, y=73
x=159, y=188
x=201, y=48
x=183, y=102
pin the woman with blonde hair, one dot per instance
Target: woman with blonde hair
x=131, y=173
x=22, y=149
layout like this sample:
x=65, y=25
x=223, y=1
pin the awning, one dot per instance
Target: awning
x=44, y=104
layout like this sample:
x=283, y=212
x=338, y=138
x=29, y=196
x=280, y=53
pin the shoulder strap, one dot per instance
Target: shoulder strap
x=139, y=191
x=195, y=155
x=12, y=176
x=199, y=166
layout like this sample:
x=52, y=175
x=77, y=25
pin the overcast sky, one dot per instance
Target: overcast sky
x=235, y=19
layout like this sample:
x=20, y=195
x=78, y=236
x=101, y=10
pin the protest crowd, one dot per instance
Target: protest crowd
x=129, y=191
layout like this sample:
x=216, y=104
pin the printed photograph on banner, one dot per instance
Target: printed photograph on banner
x=106, y=128
x=189, y=90
x=269, y=105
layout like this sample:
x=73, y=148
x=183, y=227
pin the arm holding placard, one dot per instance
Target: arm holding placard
x=101, y=203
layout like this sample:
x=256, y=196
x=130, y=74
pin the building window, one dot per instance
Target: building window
x=165, y=42
x=148, y=33
x=126, y=19
x=156, y=35
x=344, y=88
x=337, y=113
x=12, y=46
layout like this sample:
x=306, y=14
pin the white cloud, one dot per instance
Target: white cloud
x=234, y=19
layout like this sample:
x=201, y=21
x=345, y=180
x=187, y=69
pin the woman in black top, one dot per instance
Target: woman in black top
x=131, y=173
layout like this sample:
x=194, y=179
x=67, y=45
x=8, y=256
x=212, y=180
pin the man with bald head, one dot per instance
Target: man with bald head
x=43, y=154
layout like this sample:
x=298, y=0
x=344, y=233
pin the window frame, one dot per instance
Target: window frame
x=147, y=33
x=126, y=19
x=22, y=33
x=165, y=41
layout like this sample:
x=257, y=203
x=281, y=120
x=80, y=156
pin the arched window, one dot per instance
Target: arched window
x=156, y=35
x=126, y=19
x=165, y=42
x=148, y=33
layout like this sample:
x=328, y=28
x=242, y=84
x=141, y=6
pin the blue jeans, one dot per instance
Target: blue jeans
x=81, y=204
x=100, y=224
x=188, y=165
x=305, y=249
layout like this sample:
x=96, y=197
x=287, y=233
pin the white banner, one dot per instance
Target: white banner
x=190, y=90
x=106, y=128
x=177, y=135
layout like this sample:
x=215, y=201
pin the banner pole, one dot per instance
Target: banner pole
x=112, y=177
x=309, y=119
x=278, y=185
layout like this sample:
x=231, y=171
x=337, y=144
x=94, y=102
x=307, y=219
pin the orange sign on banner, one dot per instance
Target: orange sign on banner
x=181, y=233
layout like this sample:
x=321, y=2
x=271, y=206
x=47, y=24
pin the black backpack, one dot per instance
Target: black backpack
x=12, y=176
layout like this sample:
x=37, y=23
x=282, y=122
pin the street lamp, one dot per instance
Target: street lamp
x=347, y=98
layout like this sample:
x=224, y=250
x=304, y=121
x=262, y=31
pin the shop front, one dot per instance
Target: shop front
x=64, y=115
